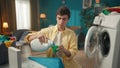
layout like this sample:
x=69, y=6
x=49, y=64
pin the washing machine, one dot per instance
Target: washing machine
x=102, y=41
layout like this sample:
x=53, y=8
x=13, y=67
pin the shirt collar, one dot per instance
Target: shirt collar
x=56, y=29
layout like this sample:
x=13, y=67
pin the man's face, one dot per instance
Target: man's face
x=62, y=20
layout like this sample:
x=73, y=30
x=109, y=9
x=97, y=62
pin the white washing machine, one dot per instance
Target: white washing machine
x=103, y=41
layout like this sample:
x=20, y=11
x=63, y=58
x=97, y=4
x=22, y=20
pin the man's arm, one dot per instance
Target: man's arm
x=31, y=36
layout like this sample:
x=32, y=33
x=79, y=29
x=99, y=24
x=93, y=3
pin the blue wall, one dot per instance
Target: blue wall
x=50, y=6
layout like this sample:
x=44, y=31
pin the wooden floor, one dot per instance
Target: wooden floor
x=83, y=61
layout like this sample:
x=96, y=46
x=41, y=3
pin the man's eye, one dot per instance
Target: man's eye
x=64, y=19
x=59, y=18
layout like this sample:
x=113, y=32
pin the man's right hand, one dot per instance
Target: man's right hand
x=42, y=38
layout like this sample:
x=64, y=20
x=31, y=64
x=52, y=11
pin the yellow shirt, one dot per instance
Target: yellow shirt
x=69, y=41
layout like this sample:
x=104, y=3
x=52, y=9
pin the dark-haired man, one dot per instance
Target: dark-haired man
x=67, y=38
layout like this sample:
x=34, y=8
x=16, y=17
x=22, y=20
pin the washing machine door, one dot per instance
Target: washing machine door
x=91, y=41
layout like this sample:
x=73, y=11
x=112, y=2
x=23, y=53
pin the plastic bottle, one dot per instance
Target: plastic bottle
x=36, y=45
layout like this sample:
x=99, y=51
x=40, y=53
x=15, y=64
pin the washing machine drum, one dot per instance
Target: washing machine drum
x=104, y=41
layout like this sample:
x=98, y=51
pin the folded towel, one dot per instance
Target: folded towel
x=48, y=62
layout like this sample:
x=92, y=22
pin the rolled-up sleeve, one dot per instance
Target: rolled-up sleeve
x=30, y=34
x=44, y=31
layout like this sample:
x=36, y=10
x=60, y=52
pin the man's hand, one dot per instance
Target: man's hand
x=62, y=49
x=42, y=38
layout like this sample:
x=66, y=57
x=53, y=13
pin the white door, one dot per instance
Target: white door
x=91, y=41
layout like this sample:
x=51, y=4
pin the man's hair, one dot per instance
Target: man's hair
x=63, y=10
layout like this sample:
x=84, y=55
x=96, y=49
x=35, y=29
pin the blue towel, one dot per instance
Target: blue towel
x=48, y=62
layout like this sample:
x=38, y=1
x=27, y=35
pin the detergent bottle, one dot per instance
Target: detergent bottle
x=36, y=45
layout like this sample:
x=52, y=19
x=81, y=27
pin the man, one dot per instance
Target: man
x=67, y=40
